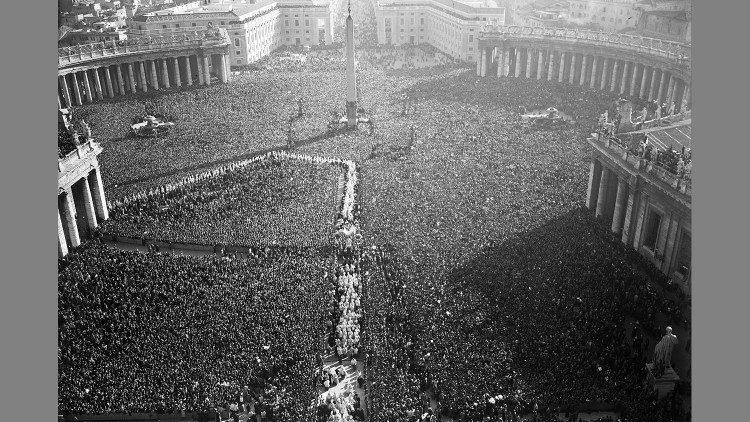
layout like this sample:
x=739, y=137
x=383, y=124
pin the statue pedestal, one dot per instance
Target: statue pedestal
x=663, y=384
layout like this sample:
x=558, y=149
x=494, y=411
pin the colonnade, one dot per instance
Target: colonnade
x=611, y=194
x=85, y=86
x=82, y=202
x=622, y=76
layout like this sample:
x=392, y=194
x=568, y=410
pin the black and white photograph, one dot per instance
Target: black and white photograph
x=374, y=210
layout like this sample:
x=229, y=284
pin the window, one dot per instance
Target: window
x=223, y=23
x=177, y=25
x=193, y=24
x=652, y=230
x=286, y=22
x=683, y=257
x=307, y=22
x=236, y=42
x=421, y=21
x=237, y=53
x=239, y=61
x=164, y=27
x=296, y=22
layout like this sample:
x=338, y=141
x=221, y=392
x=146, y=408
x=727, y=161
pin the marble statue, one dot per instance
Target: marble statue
x=663, y=349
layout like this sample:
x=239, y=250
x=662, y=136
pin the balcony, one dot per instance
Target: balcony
x=671, y=50
x=188, y=37
x=654, y=172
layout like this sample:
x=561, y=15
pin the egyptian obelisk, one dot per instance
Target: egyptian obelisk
x=351, y=74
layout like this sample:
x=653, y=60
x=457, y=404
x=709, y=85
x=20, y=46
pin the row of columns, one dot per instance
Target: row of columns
x=621, y=76
x=611, y=195
x=90, y=189
x=75, y=88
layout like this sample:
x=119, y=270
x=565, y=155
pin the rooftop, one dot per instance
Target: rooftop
x=676, y=136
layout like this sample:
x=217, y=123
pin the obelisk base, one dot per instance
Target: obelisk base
x=351, y=113
x=663, y=384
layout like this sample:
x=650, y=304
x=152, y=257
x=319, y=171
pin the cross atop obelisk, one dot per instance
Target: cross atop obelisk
x=351, y=74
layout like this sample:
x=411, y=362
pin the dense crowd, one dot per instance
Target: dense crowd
x=158, y=333
x=268, y=201
x=492, y=292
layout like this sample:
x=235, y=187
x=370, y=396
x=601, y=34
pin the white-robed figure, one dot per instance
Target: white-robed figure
x=663, y=349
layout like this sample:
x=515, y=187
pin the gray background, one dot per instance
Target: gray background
x=28, y=304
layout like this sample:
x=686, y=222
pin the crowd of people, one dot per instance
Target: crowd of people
x=489, y=292
x=145, y=332
x=268, y=201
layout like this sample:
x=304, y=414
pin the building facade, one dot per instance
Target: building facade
x=90, y=36
x=546, y=13
x=256, y=29
x=648, y=207
x=667, y=24
x=450, y=26
x=608, y=15
x=81, y=204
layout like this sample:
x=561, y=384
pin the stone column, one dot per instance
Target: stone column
x=654, y=79
x=529, y=59
x=605, y=65
x=551, y=65
x=188, y=71
x=62, y=246
x=87, y=86
x=572, y=76
x=633, y=78
x=615, y=69
x=206, y=71
x=561, y=70
x=144, y=85
x=69, y=214
x=225, y=71
x=500, y=64
x=131, y=78
x=88, y=204
x=627, y=223
x=601, y=200
x=154, y=75
x=623, y=82
x=199, y=62
x=97, y=84
x=619, y=204
x=483, y=62
x=76, y=88
x=644, y=77
x=120, y=79
x=176, y=67
x=97, y=189
x=594, y=71
x=584, y=65
x=662, y=92
x=670, y=91
x=479, y=62
x=517, y=70
x=108, y=80
x=593, y=188
x=686, y=97
x=165, y=72
x=540, y=65
x=506, y=62
x=66, y=92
